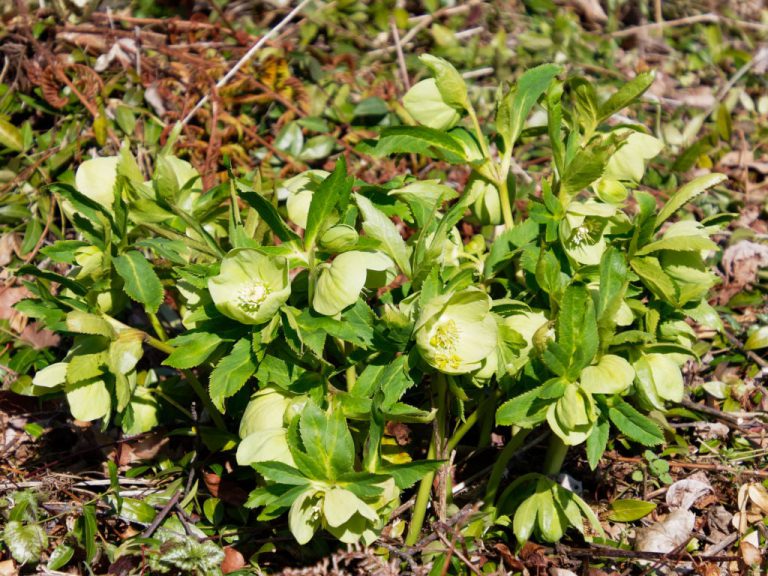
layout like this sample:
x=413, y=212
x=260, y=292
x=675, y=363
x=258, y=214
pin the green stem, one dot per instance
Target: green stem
x=425, y=487
x=467, y=425
x=157, y=326
x=506, y=205
x=479, y=132
x=555, y=455
x=514, y=444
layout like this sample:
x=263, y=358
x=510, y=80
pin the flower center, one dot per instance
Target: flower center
x=445, y=338
x=252, y=296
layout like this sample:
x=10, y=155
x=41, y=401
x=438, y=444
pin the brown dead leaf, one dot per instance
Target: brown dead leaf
x=683, y=493
x=212, y=482
x=590, y=10
x=233, y=560
x=533, y=556
x=509, y=559
x=750, y=553
x=741, y=263
x=145, y=448
x=400, y=431
x=9, y=247
x=10, y=295
x=8, y=568
x=38, y=337
x=707, y=569
x=744, y=159
x=667, y=534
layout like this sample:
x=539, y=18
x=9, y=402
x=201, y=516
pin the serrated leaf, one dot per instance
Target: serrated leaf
x=634, y=425
x=654, y=277
x=417, y=140
x=514, y=109
x=324, y=200
x=687, y=193
x=406, y=475
x=596, y=443
x=629, y=510
x=327, y=440
x=192, y=349
x=679, y=244
x=85, y=323
x=378, y=226
x=625, y=95
x=269, y=214
x=141, y=281
x=25, y=542
x=61, y=555
x=232, y=372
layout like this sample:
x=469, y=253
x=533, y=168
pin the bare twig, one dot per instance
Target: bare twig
x=400, y=55
x=246, y=57
x=695, y=19
x=453, y=550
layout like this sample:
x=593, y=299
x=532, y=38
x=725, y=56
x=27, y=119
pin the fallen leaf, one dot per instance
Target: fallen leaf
x=561, y=572
x=591, y=10
x=509, y=559
x=666, y=535
x=9, y=247
x=683, y=493
x=759, y=496
x=8, y=568
x=38, y=337
x=707, y=569
x=750, y=553
x=212, y=482
x=233, y=560
x=742, y=260
x=145, y=448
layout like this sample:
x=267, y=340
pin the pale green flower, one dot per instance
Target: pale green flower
x=486, y=202
x=267, y=445
x=265, y=410
x=340, y=282
x=611, y=375
x=583, y=230
x=456, y=332
x=95, y=178
x=298, y=191
x=659, y=379
x=573, y=415
x=425, y=105
x=251, y=287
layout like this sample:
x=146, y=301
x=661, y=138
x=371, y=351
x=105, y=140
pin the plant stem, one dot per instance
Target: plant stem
x=157, y=326
x=555, y=455
x=425, y=487
x=467, y=425
x=517, y=439
x=506, y=205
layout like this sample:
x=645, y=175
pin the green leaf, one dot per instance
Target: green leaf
x=679, y=244
x=596, y=443
x=327, y=439
x=629, y=510
x=634, y=425
x=324, y=200
x=525, y=518
x=85, y=323
x=381, y=228
x=449, y=82
x=89, y=532
x=515, y=107
x=60, y=556
x=192, y=349
x=406, y=475
x=654, y=277
x=586, y=166
x=757, y=339
x=577, y=328
x=281, y=473
x=687, y=193
x=269, y=214
x=25, y=542
x=518, y=410
x=141, y=281
x=625, y=95
x=417, y=140
x=614, y=280
x=10, y=136
x=32, y=270
x=232, y=372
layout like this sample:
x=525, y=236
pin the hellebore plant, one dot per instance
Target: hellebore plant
x=316, y=325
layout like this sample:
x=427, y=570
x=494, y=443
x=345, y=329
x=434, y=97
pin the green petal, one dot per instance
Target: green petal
x=244, y=275
x=89, y=400
x=265, y=446
x=628, y=163
x=339, y=285
x=304, y=517
x=611, y=375
x=425, y=104
x=659, y=378
x=96, y=179
x=264, y=411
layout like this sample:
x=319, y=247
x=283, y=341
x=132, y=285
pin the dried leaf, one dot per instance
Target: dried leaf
x=683, y=493
x=233, y=560
x=750, y=554
x=667, y=534
x=38, y=337
x=8, y=568
x=742, y=261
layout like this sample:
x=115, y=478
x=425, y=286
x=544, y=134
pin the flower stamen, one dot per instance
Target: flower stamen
x=252, y=296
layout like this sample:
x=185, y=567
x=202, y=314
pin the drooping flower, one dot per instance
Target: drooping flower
x=250, y=287
x=340, y=282
x=425, y=105
x=456, y=332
